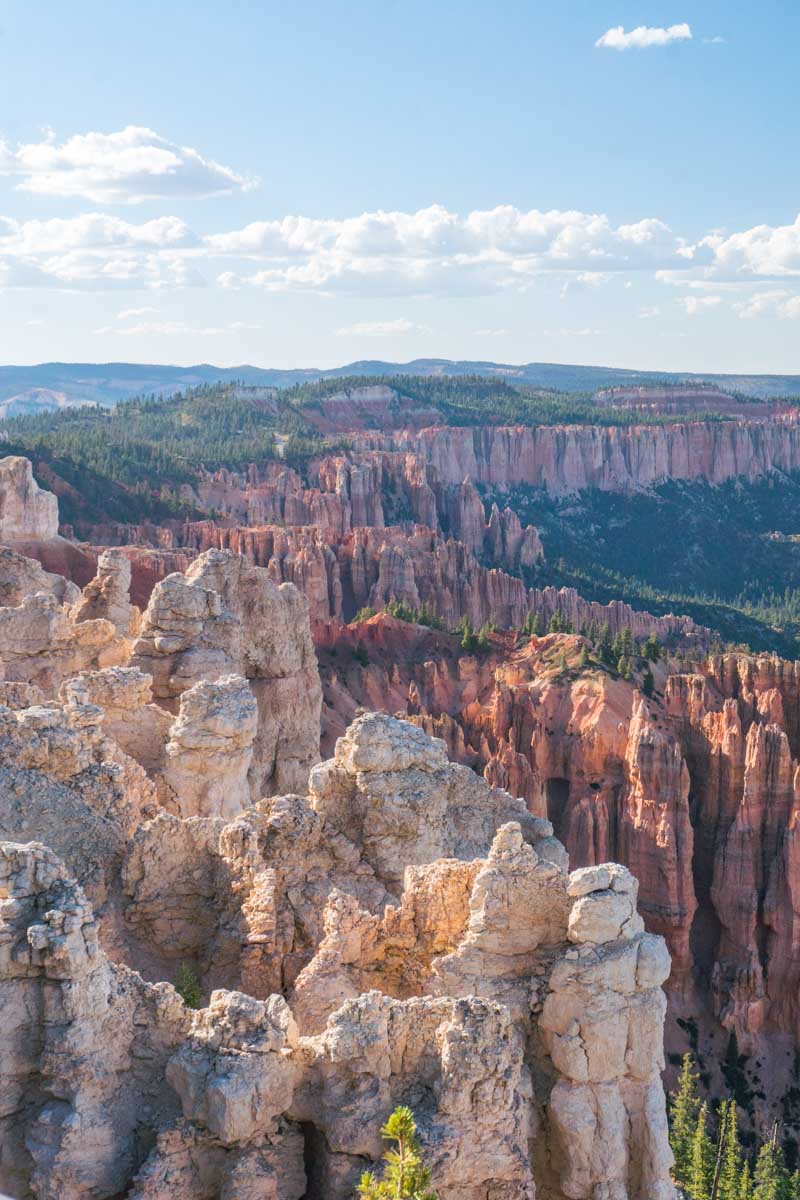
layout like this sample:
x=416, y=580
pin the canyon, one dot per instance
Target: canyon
x=379, y=926
x=263, y=741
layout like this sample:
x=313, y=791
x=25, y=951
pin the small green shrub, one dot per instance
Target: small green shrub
x=187, y=985
x=405, y=1176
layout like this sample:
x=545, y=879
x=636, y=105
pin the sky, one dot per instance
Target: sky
x=306, y=184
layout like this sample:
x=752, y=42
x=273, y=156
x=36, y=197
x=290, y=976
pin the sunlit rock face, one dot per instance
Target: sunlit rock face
x=406, y=934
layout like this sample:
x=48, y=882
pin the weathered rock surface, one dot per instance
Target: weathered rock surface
x=223, y=617
x=210, y=749
x=27, y=513
x=521, y=1033
x=107, y=596
x=21, y=577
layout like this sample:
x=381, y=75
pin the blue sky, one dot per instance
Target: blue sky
x=306, y=184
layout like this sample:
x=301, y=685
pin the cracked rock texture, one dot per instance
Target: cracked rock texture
x=405, y=935
x=225, y=616
x=380, y=928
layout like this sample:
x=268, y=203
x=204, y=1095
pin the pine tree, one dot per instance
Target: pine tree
x=703, y=1159
x=652, y=648
x=556, y=624
x=648, y=683
x=771, y=1180
x=684, y=1110
x=584, y=659
x=745, y=1183
x=405, y=1176
x=730, y=1153
x=536, y=625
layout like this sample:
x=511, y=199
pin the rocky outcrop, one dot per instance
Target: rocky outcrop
x=39, y=644
x=514, y=1006
x=223, y=617
x=21, y=576
x=107, y=596
x=27, y=513
x=210, y=749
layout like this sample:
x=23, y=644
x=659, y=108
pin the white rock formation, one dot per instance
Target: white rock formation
x=226, y=616
x=210, y=749
x=107, y=596
x=27, y=513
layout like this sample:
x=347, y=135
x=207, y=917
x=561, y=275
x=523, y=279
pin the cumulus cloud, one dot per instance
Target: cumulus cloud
x=763, y=251
x=98, y=251
x=643, y=36
x=125, y=167
x=778, y=303
x=436, y=251
x=431, y=252
x=382, y=328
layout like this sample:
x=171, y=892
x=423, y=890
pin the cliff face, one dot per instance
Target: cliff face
x=696, y=790
x=568, y=458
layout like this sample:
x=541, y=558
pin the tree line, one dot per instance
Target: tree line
x=711, y=1162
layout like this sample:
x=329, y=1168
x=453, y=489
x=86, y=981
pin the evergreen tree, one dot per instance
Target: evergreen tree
x=536, y=625
x=684, y=1110
x=703, y=1159
x=468, y=639
x=556, y=624
x=745, y=1183
x=405, y=1176
x=652, y=648
x=730, y=1153
x=624, y=667
x=648, y=683
x=584, y=659
x=771, y=1180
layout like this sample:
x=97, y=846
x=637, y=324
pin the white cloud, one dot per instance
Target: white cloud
x=643, y=36
x=125, y=167
x=649, y=312
x=382, y=328
x=431, y=252
x=170, y=329
x=435, y=251
x=694, y=305
x=714, y=41
x=490, y=333
x=98, y=251
x=778, y=303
